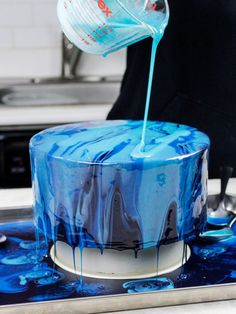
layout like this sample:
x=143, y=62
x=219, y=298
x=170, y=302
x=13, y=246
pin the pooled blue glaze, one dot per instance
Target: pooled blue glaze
x=217, y=235
x=31, y=245
x=210, y=264
x=41, y=276
x=148, y=285
x=233, y=274
x=19, y=281
x=94, y=188
x=66, y=290
x=21, y=258
x=219, y=221
x=209, y=252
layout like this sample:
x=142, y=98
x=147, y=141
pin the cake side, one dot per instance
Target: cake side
x=134, y=203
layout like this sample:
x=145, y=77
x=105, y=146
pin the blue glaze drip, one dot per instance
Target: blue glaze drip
x=148, y=285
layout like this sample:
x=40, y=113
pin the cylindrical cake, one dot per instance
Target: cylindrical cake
x=92, y=188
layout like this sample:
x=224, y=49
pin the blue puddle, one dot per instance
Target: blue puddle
x=148, y=285
x=27, y=274
x=219, y=221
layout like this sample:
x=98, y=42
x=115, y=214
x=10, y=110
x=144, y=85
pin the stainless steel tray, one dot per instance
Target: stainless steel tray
x=101, y=304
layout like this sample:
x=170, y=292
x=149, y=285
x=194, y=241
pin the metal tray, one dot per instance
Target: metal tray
x=226, y=290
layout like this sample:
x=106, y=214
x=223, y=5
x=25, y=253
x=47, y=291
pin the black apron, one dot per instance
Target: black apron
x=195, y=76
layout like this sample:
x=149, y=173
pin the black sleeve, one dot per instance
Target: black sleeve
x=195, y=75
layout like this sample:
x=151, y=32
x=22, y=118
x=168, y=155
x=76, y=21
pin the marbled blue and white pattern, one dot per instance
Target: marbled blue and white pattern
x=94, y=188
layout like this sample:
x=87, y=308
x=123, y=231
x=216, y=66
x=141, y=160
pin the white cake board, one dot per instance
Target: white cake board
x=113, y=264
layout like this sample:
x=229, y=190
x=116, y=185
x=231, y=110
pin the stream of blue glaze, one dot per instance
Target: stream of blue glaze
x=155, y=43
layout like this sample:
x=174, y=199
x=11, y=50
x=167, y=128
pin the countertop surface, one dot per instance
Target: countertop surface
x=56, y=114
x=23, y=197
x=55, y=101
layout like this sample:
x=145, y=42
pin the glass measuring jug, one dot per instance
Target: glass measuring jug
x=104, y=26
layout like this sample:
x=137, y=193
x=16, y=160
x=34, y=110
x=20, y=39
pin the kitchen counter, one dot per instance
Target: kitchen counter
x=52, y=114
x=56, y=101
x=23, y=197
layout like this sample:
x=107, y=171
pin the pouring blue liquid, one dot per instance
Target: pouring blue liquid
x=85, y=178
x=158, y=27
x=155, y=44
x=104, y=26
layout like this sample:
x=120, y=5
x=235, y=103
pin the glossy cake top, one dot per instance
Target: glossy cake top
x=118, y=141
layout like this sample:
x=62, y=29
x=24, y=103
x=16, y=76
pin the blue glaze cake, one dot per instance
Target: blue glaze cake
x=92, y=188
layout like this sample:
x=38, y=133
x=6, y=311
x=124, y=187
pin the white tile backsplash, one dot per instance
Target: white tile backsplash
x=36, y=37
x=6, y=38
x=29, y=63
x=114, y=64
x=45, y=14
x=30, y=43
x=14, y=13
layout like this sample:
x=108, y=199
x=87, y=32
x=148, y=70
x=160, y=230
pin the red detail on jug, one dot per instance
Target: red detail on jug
x=102, y=5
x=152, y=7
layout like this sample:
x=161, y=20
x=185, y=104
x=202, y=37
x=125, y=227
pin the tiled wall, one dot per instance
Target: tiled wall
x=30, y=42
